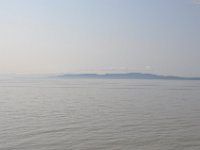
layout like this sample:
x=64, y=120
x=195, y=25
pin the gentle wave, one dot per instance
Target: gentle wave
x=99, y=114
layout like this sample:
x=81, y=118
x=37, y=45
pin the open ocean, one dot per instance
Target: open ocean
x=43, y=114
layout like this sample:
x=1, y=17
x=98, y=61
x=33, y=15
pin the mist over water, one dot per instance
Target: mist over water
x=99, y=115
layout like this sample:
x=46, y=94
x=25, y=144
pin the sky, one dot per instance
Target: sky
x=75, y=36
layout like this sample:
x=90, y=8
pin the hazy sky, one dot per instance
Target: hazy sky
x=57, y=36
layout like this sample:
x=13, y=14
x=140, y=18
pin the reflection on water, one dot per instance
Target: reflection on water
x=99, y=114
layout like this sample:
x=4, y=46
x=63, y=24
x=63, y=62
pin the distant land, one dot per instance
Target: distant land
x=131, y=75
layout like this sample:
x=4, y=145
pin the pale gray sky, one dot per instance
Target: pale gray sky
x=58, y=36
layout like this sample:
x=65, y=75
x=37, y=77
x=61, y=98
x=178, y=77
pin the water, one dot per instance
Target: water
x=99, y=115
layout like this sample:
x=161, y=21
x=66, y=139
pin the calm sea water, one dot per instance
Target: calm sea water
x=99, y=115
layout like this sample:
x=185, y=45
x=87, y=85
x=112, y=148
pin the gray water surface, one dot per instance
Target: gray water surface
x=99, y=115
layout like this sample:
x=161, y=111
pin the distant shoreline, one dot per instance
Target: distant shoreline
x=131, y=75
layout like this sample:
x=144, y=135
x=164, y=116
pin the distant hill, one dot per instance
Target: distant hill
x=124, y=76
